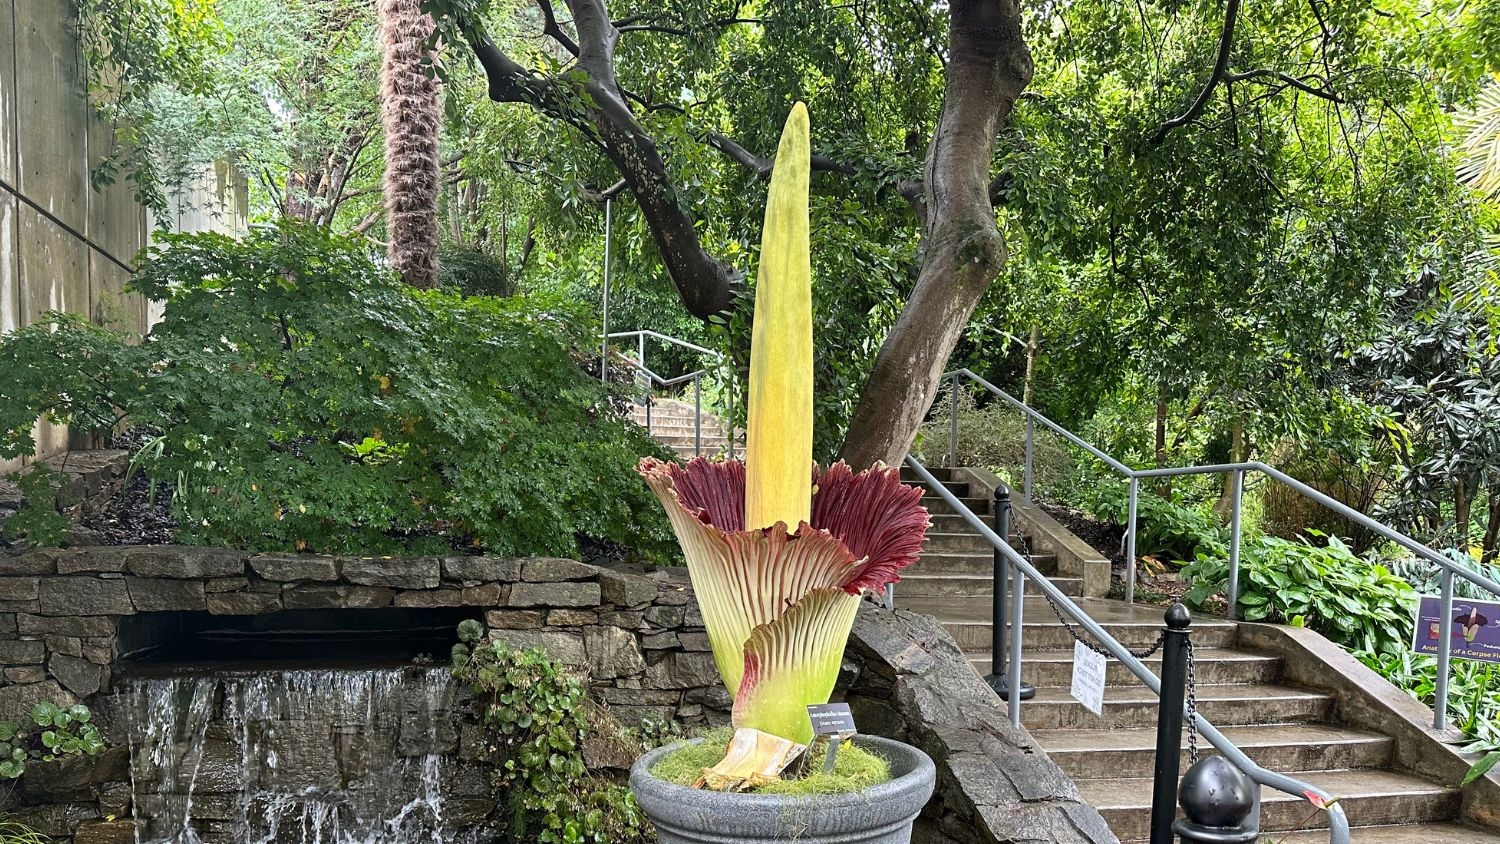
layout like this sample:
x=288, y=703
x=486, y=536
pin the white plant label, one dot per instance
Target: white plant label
x=1088, y=678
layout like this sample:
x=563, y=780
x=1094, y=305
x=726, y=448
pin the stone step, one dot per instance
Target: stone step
x=968, y=621
x=947, y=562
x=1093, y=754
x=1136, y=707
x=980, y=505
x=1214, y=666
x=965, y=541
x=1405, y=834
x=946, y=522
x=916, y=584
x=942, y=473
x=1369, y=798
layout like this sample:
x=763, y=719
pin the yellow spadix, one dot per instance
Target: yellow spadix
x=778, y=452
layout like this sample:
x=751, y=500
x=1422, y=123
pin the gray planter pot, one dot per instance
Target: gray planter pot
x=879, y=815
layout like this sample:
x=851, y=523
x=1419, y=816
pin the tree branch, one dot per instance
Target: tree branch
x=1221, y=67
x=1291, y=81
x=550, y=27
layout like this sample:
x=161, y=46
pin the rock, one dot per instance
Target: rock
x=665, y=640
x=431, y=598
x=313, y=597
x=554, y=595
x=571, y=618
x=287, y=568
x=34, y=562
x=7, y=624
x=554, y=569
x=83, y=596
x=16, y=702
x=393, y=572
x=166, y=595
x=98, y=559
x=481, y=568
x=18, y=588
x=368, y=597
x=626, y=590
x=679, y=596
x=23, y=652
x=628, y=620
x=613, y=652
x=101, y=651
x=695, y=641
x=243, y=603
x=683, y=671
x=226, y=584
x=106, y=832
x=667, y=617
x=484, y=595
x=513, y=619
x=715, y=696
x=78, y=676
x=33, y=625
x=27, y=674
x=173, y=561
x=79, y=536
x=66, y=645
x=563, y=647
x=639, y=697
x=635, y=716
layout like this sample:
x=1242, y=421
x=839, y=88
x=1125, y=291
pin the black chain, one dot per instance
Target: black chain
x=1073, y=631
x=1192, y=704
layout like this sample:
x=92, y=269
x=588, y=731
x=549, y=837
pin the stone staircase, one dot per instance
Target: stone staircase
x=673, y=424
x=1110, y=758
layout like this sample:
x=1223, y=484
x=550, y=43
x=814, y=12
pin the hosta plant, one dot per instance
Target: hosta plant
x=780, y=551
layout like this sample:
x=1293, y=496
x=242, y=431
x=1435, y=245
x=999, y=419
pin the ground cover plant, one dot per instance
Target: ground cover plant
x=298, y=396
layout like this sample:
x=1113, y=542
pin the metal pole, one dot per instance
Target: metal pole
x=1236, y=502
x=1130, y=526
x=608, y=238
x=1174, y=660
x=890, y=596
x=1030, y=452
x=1017, y=609
x=1219, y=804
x=1445, y=656
x=998, y=679
x=953, y=423
x=697, y=415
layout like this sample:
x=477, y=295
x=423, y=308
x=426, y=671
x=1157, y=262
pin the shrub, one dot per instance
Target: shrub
x=13, y=832
x=1164, y=528
x=994, y=437
x=1289, y=513
x=472, y=272
x=37, y=522
x=304, y=398
x=1427, y=577
x=537, y=719
x=1356, y=604
x=51, y=732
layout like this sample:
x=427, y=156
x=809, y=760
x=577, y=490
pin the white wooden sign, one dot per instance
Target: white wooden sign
x=1088, y=678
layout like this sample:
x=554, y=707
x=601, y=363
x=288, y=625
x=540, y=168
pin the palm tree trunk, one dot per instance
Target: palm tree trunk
x=411, y=113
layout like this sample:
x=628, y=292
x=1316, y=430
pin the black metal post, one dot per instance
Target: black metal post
x=1174, y=665
x=998, y=678
x=1217, y=799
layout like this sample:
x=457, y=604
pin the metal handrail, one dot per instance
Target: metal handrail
x=1237, y=470
x=652, y=378
x=1338, y=821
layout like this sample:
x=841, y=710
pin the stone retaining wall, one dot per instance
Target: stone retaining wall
x=639, y=640
x=911, y=682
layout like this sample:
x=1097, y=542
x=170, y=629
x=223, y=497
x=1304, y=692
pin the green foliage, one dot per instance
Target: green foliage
x=38, y=521
x=15, y=832
x=50, y=733
x=1165, y=528
x=855, y=769
x=538, y=718
x=304, y=398
x=1358, y=605
x=1427, y=578
x=473, y=272
x=1473, y=704
x=994, y=437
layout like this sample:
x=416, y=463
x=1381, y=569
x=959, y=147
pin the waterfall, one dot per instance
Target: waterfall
x=325, y=756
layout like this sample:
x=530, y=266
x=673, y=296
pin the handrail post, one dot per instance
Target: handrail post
x=698, y=415
x=953, y=423
x=1130, y=528
x=1236, y=508
x=1030, y=458
x=604, y=316
x=1018, y=608
x=1445, y=656
x=1174, y=666
x=998, y=679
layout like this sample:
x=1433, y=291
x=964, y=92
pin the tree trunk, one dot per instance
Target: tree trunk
x=1033, y=343
x=1463, y=512
x=1163, y=486
x=1491, y=545
x=412, y=115
x=988, y=67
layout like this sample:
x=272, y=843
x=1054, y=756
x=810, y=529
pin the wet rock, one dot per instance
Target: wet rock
x=106, y=832
x=564, y=647
x=16, y=702
x=79, y=676
x=32, y=625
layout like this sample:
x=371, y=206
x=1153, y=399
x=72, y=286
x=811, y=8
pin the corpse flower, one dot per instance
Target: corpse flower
x=780, y=551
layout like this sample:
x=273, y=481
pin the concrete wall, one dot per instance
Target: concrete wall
x=68, y=255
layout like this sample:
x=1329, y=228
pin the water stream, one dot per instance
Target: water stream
x=309, y=756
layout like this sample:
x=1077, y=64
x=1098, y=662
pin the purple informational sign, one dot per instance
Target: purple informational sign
x=1473, y=628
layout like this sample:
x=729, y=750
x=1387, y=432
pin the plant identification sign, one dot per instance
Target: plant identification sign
x=1473, y=629
x=1088, y=678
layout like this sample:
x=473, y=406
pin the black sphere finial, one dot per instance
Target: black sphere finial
x=1178, y=617
x=1216, y=794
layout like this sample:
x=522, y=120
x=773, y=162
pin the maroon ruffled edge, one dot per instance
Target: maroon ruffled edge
x=880, y=520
